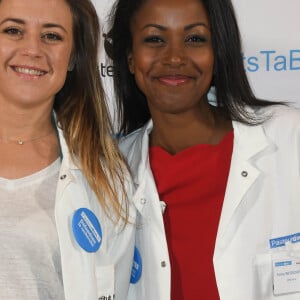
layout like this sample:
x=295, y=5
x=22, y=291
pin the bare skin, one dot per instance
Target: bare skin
x=35, y=47
x=175, y=133
x=18, y=161
x=172, y=60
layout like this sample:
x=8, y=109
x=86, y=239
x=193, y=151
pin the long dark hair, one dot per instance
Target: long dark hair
x=233, y=91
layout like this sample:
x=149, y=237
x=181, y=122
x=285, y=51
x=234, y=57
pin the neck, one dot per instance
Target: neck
x=24, y=123
x=175, y=133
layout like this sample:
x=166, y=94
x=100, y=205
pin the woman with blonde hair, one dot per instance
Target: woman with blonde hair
x=66, y=224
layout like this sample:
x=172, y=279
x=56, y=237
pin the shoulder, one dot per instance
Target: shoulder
x=278, y=125
x=281, y=118
x=282, y=128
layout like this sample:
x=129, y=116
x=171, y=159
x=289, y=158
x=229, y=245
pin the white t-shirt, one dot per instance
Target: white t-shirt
x=30, y=265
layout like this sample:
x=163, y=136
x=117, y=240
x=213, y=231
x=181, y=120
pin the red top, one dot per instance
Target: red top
x=192, y=183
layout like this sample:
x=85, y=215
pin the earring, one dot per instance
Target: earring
x=71, y=65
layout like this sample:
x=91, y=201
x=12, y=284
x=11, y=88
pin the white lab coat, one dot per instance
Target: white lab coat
x=90, y=276
x=262, y=202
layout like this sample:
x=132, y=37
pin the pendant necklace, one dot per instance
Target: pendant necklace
x=22, y=141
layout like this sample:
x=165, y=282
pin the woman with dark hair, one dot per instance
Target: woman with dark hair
x=66, y=223
x=217, y=185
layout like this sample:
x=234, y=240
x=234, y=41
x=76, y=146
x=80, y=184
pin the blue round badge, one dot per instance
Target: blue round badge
x=87, y=230
x=136, y=271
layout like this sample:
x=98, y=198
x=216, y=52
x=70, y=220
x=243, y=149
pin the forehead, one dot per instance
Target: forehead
x=57, y=11
x=174, y=11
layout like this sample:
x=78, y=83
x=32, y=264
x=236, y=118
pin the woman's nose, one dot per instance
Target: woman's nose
x=174, y=55
x=32, y=46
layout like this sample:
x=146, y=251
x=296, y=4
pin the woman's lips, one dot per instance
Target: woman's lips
x=28, y=71
x=173, y=80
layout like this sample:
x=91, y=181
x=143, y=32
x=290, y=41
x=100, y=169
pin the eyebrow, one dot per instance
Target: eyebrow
x=160, y=27
x=51, y=25
x=15, y=20
x=22, y=22
x=187, y=27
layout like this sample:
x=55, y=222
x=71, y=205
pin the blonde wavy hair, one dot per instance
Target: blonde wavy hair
x=83, y=115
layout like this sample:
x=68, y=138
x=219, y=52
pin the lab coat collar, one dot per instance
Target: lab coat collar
x=247, y=147
x=140, y=153
x=65, y=153
x=249, y=140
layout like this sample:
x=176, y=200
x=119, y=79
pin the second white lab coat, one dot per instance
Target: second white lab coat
x=102, y=275
x=262, y=202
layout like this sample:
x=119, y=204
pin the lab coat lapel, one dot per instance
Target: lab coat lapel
x=249, y=141
x=138, y=159
x=78, y=268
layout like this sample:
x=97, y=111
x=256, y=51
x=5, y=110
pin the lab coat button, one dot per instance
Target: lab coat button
x=62, y=177
x=143, y=201
x=163, y=264
x=244, y=173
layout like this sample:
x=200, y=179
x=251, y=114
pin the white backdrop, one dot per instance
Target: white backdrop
x=271, y=47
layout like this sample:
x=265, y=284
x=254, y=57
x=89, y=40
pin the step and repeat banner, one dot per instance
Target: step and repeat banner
x=271, y=47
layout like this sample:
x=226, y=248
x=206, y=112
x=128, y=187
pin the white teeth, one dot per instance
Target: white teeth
x=29, y=71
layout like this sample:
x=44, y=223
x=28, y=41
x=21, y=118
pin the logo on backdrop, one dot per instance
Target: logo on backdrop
x=262, y=61
x=106, y=70
x=273, y=61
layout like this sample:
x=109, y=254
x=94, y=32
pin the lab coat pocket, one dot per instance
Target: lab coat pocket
x=105, y=276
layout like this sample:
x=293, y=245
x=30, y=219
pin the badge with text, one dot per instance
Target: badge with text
x=136, y=271
x=286, y=275
x=283, y=240
x=87, y=230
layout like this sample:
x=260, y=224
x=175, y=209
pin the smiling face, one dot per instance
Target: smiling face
x=172, y=56
x=35, y=48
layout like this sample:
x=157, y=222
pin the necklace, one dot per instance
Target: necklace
x=22, y=142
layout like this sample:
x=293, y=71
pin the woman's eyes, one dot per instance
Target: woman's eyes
x=154, y=39
x=47, y=36
x=51, y=36
x=194, y=40
x=13, y=31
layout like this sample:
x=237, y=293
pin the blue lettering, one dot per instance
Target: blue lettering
x=283, y=263
x=269, y=61
x=294, y=59
x=281, y=241
x=253, y=64
x=268, y=53
x=280, y=63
